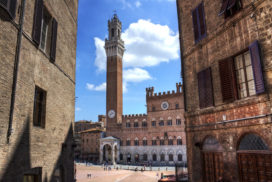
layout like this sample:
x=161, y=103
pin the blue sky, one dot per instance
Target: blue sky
x=150, y=32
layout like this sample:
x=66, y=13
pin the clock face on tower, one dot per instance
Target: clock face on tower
x=111, y=113
x=164, y=105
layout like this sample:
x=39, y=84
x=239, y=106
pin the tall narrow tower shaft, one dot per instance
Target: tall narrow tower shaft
x=114, y=47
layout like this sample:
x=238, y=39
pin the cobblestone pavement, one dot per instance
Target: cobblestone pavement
x=99, y=175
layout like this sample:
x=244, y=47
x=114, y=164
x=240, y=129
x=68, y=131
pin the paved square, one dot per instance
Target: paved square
x=99, y=175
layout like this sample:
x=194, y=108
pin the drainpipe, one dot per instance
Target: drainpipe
x=16, y=69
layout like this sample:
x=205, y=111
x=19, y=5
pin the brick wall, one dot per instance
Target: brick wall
x=225, y=37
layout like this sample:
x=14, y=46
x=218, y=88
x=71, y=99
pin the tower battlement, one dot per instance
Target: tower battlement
x=133, y=116
x=150, y=92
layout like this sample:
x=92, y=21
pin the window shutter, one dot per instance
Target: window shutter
x=9, y=6
x=54, y=39
x=201, y=88
x=201, y=15
x=205, y=89
x=231, y=3
x=208, y=87
x=227, y=77
x=43, y=110
x=38, y=15
x=4, y=3
x=224, y=7
x=12, y=8
x=195, y=24
x=257, y=67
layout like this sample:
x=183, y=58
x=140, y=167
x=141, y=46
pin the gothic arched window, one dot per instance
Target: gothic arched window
x=112, y=32
x=162, y=157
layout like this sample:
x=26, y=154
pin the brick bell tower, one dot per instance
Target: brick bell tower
x=114, y=47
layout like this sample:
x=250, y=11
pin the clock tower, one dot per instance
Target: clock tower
x=114, y=47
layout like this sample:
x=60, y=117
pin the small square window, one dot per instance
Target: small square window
x=161, y=123
x=144, y=124
x=136, y=124
x=178, y=122
x=144, y=142
x=153, y=123
x=177, y=106
x=169, y=122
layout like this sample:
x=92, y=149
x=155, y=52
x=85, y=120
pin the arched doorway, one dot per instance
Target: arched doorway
x=212, y=155
x=128, y=158
x=107, y=153
x=254, y=159
x=115, y=153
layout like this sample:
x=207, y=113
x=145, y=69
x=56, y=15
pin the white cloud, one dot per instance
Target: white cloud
x=129, y=76
x=100, y=59
x=101, y=87
x=149, y=44
x=78, y=109
x=138, y=4
x=146, y=43
x=136, y=75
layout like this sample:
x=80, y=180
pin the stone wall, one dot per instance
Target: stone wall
x=49, y=144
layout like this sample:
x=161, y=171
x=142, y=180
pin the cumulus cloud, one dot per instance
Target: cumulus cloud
x=135, y=75
x=129, y=76
x=146, y=43
x=100, y=59
x=101, y=87
x=149, y=44
x=138, y=4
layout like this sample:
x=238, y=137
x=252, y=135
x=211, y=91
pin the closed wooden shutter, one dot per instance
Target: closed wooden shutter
x=201, y=88
x=9, y=6
x=38, y=15
x=227, y=77
x=4, y=3
x=43, y=110
x=205, y=88
x=208, y=87
x=223, y=7
x=257, y=67
x=195, y=24
x=231, y=3
x=12, y=8
x=54, y=40
x=201, y=20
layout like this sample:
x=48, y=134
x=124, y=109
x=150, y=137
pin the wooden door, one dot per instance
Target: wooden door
x=255, y=167
x=213, y=166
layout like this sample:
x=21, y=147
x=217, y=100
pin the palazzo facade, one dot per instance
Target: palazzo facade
x=157, y=137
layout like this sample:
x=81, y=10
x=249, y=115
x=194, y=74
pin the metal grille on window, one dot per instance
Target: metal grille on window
x=252, y=142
